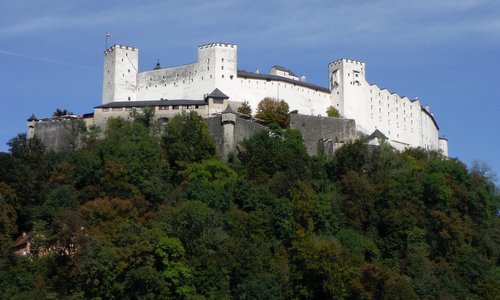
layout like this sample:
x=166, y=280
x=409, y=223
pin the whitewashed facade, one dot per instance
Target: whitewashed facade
x=402, y=120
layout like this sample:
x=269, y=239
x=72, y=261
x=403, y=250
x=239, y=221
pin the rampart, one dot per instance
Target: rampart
x=317, y=131
x=59, y=135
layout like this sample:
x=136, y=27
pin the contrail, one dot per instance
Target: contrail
x=48, y=60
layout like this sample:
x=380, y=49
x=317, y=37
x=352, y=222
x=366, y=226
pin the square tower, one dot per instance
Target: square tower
x=120, y=74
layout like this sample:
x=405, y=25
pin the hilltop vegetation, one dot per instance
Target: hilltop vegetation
x=138, y=215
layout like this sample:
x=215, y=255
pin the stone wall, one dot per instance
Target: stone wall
x=317, y=131
x=227, y=136
x=321, y=134
x=60, y=135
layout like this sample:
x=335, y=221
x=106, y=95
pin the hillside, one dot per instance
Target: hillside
x=151, y=213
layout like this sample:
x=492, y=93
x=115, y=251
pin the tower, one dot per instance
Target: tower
x=120, y=74
x=219, y=62
x=347, y=83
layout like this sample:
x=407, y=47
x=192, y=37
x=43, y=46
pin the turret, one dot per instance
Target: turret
x=120, y=74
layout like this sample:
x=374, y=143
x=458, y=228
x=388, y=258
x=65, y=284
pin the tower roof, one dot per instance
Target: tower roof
x=377, y=134
x=32, y=118
x=217, y=94
x=157, y=67
x=229, y=110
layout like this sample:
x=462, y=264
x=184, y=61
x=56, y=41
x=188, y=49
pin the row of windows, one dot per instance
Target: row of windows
x=172, y=107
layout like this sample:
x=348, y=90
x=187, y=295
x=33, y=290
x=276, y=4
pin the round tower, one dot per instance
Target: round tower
x=120, y=74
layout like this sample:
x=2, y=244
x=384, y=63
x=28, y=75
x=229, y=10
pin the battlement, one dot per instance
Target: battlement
x=211, y=45
x=115, y=46
x=352, y=61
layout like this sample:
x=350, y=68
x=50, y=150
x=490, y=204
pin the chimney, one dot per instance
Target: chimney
x=257, y=71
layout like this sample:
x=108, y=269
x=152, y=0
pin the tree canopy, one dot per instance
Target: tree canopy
x=144, y=214
x=273, y=111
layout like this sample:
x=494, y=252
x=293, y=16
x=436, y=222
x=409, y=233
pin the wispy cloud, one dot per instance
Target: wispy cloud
x=48, y=60
x=277, y=22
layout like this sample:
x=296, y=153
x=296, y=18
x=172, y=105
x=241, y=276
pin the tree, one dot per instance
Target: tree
x=332, y=112
x=61, y=112
x=273, y=111
x=146, y=117
x=245, y=109
x=186, y=139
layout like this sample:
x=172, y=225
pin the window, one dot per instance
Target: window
x=105, y=109
x=175, y=107
x=222, y=67
x=116, y=109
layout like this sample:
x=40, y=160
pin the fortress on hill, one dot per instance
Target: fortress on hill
x=214, y=81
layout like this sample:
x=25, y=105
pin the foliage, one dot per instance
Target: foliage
x=186, y=139
x=273, y=111
x=152, y=214
x=61, y=112
x=332, y=112
x=245, y=108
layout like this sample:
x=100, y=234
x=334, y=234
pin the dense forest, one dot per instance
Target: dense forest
x=149, y=212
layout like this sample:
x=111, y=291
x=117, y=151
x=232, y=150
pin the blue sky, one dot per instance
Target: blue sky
x=445, y=52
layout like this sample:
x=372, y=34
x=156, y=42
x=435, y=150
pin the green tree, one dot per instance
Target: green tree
x=245, y=108
x=273, y=111
x=61, y=112
x=332, y=112
x=186, y=139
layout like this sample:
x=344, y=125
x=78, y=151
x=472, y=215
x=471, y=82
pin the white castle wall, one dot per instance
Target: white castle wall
x=402, y=120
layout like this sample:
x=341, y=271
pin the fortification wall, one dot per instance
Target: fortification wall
x=315, y=130
x=307, y=101
x=241, y=129
x=59, y=135
x=402, y=120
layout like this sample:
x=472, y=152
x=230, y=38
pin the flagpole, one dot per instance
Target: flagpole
x=108, y=34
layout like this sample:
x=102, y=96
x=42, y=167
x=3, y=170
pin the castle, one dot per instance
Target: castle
x=214, y=81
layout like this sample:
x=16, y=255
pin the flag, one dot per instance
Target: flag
x=108, y=34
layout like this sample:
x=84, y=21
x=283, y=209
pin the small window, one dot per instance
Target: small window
x=116, y=109
x=175, y=107
x=222, y=67
x=105, y=109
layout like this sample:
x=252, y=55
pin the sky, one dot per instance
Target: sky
x=446, y=53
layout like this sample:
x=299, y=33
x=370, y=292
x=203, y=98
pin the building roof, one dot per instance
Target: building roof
x=145, y=103
x=217, y=94
x=32, y=118
x=430, y=115
x=23, y=239
x=377, y=134
x=280, y=68
x=229, y=110
x=246, y=74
